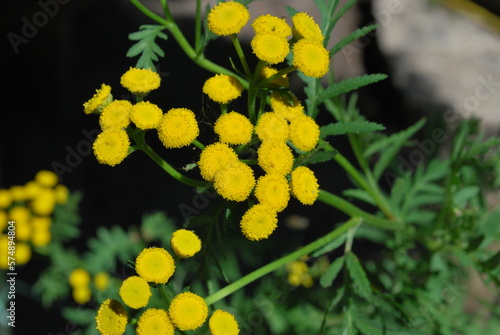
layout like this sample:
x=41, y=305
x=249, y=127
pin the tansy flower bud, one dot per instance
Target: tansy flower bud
x=185, y=243
x=304, y=185
x=271, y=24
x=101, y=98
x=155, y=265
x=305, y=27
x=135, y=292
x=258, y=222
x=214, y=158
x=222, y=88
x=311, y=58
x=227, y=18
x=178, y=128
x=111, y=146
x=140, y=81
x=234, y=128
x=188, y=311
x=223, y=323
x=270, y=48
x=111, y=318
x=155, y=321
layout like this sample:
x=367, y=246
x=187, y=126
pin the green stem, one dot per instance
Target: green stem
x=198, y=144
x=277, y=75
x=197, y=28
x=241, y=54
x=243, y=281
x=138, y=136
x=360, y=180
x=197, y=58
x=352, y=210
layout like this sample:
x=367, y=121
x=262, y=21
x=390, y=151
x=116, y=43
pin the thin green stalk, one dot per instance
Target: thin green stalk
x=242, y=282
x=352, y=210
x=197, y=58
x=198, y=144
x=241, y=54
x=138, y=137
x=277, y=75
x=197, y=28
x=363, y=183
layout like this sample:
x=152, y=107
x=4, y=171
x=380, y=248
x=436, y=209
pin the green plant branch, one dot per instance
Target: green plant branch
x=241, y=54
x=367, y=185
x=198, y=58
x=243, y=281
x=352, y=210
x=138, y=136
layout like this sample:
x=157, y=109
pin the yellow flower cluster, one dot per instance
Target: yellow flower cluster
x=298, y=274
x=186, y=311
x=79, y=280
x=27, y=210
x=176, y=128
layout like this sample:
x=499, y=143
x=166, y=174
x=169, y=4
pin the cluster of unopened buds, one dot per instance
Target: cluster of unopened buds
x=277, y=136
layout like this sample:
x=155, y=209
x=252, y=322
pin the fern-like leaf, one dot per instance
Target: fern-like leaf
x=146, y=46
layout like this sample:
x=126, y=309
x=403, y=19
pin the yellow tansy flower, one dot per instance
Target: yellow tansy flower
x=81, y=294
x=41, y=234
x=115, y=115
x=140, y=81
x=222, y=88
x=22, y=217
x=155, y=265
x=46, y=178
x=100, y=99
x=311, y=58
x=271, y=24
x=258, y=222
x=5, y=199
x=155, y=321
x=111, y=146
x=18, y=193
x=304, y=185
x=23, y=253
x=233, y=128
x=273, y=190
x=188, y=311
x=304, y=133
x=283, y=108
x=272, y=127
x=214, y=158
x=101, y=281
x=178, y=128
x=275, y=157
x=269, y=71
x=4, y=218
x=270, y=48
x=227, y=18
x=32, y=188
x=235, y=182
x=298, y=274
x=185, y=243
x=44, y=202
x=111, y=318
x=62, y=193
x=135, y=292
x=304, y=26
x=79, y=277
x=223, y=323
x=146, y=115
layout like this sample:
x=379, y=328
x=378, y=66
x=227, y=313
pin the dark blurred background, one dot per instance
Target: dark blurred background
x=49, y=71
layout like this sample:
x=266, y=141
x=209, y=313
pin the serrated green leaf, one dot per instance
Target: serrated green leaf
x=423, y=217
x=342, y=128
x=461, y=197
x=348, y=85
x=358, y=275
x=389, y=147
x=352, y=37
x=360, y=195
x=329, y=246
x=327, y=278
x=146, y=45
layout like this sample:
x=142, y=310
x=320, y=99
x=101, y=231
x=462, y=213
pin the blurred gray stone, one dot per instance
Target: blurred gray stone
x=442, y=58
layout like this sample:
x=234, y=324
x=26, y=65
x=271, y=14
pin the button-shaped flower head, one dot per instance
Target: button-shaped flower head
x=227, y=18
